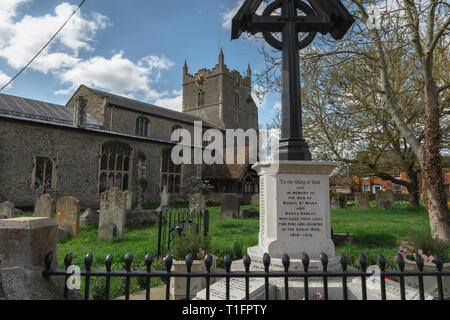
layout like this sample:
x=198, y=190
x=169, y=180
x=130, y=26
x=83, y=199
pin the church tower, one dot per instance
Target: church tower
x=220, y=96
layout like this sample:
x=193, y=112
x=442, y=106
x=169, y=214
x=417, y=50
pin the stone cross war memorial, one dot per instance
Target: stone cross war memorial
x=297, y=219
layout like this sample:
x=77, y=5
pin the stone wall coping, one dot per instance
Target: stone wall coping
x=27, y=223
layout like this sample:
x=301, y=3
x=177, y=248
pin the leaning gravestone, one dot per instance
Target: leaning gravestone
x=385, y=200
x=197, y=203
x=112, y=215
x=255, y=199
x=230, y=206
x=68, y=215
x=362, y=201
x=6, y=210
x=44, y=206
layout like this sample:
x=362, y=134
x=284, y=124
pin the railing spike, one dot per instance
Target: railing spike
x=88, y=261
x=438, y=262
x=128, y=260
x=148, y=259
x=400, y=262
x=68, y=259
x=305, y=261
x=227, y=262
x=286, y=262
x=189, y=261
x=343, y=261
x=382, y=262
x=247, y=261
x=266, y=261
x=168, y=261
x=208, y=261
x=419, y=261
x=108, y=261
x=362, y=262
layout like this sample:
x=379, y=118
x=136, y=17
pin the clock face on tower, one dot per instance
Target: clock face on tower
x=200, y=81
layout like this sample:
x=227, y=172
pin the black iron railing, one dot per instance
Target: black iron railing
x=174, y=220
x=247, y=274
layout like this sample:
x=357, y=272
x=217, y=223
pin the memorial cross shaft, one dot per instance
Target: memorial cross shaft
x=328, y=16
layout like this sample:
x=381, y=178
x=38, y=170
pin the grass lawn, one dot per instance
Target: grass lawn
x=375, y=231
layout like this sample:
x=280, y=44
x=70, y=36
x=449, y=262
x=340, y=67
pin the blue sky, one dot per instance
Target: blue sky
x=135, y=48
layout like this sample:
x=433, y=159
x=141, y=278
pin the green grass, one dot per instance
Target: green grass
x=375, y=231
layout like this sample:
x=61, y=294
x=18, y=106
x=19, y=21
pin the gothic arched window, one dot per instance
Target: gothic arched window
x=142, y=127
x=170, y=173
x=236, y=99
x=201, y=98
x=114, y=166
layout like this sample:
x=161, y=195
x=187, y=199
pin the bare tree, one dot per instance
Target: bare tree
x=382, y=90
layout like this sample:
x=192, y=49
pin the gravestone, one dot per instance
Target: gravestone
x=250, y=213
x=164, y=195
x=89, y=217
x=255, y=199
x=362, y=201
x=128, y=199
x=385, y=200
x=68, y=215
x=335, y=203
x=6, y=210
x=44, y=206
x=112, y=215
x=230, y=206
x=197, y=203
x=294, y=214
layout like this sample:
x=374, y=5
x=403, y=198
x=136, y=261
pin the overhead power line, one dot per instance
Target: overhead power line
x=45, y=46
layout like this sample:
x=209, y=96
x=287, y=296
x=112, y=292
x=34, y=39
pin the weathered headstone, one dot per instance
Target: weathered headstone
x=217, y=291
x=362, y=201
x=68, y=215
x=24, y=244
x=230, y=206
x=112, y=214
x=255, y=199
x=44, y=206
x=128, y=199
x=164, y=195
x=334, y=203
x=385, y=200
x=6, y=210
x=89, y=217
x=197, y=203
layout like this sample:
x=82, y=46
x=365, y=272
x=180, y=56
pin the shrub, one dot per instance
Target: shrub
x=189, y=241
x=97, y=289
x=424, y=241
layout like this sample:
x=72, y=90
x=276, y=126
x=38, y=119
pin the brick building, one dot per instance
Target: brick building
x=99, y=139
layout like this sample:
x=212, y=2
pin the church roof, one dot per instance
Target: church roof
x=148, y=108
x=24, y=108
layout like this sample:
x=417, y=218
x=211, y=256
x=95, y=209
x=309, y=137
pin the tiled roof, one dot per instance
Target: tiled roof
x=148, y=108
x=38, y=110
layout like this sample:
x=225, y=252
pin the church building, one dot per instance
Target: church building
x=100, y=139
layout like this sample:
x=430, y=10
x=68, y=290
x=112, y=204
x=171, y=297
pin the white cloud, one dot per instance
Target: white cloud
x=277, y=106
x=229, y=13
x=4, y=78
x=22, y=37
x=174, y=102
x=117, y=75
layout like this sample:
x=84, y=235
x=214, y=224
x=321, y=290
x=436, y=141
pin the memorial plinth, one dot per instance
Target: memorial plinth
x=294, y=214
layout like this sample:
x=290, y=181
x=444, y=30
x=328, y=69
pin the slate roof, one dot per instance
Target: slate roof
x=23, y=108
x=148, y=108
